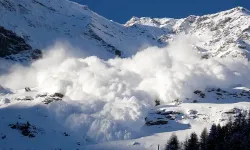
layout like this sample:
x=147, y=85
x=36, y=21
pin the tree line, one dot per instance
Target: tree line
x=235, y=135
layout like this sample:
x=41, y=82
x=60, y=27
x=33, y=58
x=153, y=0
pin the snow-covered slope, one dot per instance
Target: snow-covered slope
x=79, y=96
x=221, y=34
x=67, y=21
x=15, y=48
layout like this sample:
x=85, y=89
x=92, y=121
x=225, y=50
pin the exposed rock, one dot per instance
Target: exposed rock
x=157, y=122
x=136, y=143
x=200, y=93
x=157, y=102
x=27, y=89
x=65, y=134
x=3, y=137
x=195, y=101
x=41, y=95
x=24, y=98
x=60, y=95
x=168, y=112
x=192, y=113
x=25, y=129
x=93, y=35
x=12, y=45
x=118, y=53
x=161, y=117
x=232, y=111
x=51, y=99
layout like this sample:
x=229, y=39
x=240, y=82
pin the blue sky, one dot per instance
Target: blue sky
x=122, y=10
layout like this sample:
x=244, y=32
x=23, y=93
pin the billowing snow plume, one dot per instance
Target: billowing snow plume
x=108, y=100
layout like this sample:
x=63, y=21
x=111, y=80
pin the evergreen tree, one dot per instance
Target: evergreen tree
x=192, y=142
x=248, y=117
x=203, y=139
x=237, y=122
x=173, y=143
x=211, y=143
x=220, y=138
x=233, y=136
x=229, y=127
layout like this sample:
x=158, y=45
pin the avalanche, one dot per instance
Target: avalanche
x=78, y=96
x=108, y=100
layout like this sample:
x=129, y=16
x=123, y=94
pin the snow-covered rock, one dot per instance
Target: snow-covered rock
x=222, y=34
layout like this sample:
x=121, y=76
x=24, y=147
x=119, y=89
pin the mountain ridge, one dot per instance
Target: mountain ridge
x=87, y=30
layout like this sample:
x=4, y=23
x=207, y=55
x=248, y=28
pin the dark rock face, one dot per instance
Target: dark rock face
x=161, y=117
x=24, y=98
x=158, y=122
x=27, y=89
x=41, y=95
x=200, y=93
x=92, y=35
x=53, y=98
x=11, y=45
x=233, y=111
x=60, y=95
x=25, y=129
x=46, y=99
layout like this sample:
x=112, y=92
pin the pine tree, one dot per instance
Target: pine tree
x=192, y=143
x=248, y=123
x=211, y=143
x=203, y=139
x=229, y=127
x=185, y=144
x=248, y=117
x=220, y=138
x=233, y=136
x=237, y=122
x=173, y=143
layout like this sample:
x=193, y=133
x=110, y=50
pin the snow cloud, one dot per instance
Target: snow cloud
x=108, y=100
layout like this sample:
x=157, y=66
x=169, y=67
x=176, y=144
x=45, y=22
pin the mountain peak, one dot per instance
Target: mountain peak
x=241, y=9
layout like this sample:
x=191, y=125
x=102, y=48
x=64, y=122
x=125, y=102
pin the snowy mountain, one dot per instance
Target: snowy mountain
x=74, y=23
x=79, y=95
x=221, y=34
x=15, y=48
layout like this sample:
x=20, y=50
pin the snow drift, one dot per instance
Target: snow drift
x=108, y=100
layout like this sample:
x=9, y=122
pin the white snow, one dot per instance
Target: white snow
x=107, y=99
